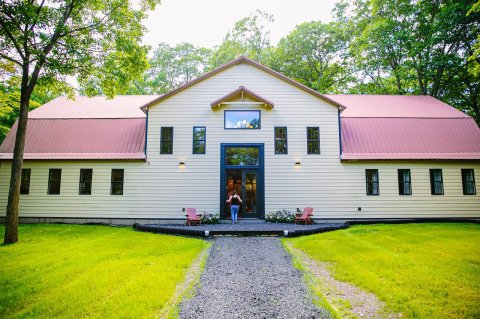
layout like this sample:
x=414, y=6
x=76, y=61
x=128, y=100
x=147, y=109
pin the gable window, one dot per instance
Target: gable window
x=242, y=120
x=404, y=182
x=117, y=182
x=436, y=181
x=371, y=177
x=313, y=140
x=199, y=139
x=281, y=145
x=25, y=181
x=85, y=184
x=166, y=140
x=54, y=181
x=468, y=181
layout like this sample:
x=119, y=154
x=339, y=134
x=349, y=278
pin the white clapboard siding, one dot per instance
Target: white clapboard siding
x=159, y=188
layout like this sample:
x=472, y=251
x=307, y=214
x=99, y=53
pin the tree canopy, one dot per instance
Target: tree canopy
x=46, y=41
x=315, y=54
x=171, y=67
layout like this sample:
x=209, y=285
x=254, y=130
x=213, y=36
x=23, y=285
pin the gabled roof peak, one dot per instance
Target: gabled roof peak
x=239, y=60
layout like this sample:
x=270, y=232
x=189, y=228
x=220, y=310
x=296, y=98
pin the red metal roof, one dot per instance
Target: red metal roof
x=383, y=127
x=373, y=127
x=121, y=106
x=410, y=138
x=418, y=106
x=80, y=139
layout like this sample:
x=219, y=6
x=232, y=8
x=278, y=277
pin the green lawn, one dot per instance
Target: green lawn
x=79, y=271
x=422, y=270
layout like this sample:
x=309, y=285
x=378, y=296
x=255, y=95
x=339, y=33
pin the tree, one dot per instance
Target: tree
x=10, y=107
x=415, y=47
x=249, y=36
x=171, y=67
x=475, y=54
x=316, y=55
x=96, y=40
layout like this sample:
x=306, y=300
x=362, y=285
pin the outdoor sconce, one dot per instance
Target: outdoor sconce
x=298, y=164
x=181, y=165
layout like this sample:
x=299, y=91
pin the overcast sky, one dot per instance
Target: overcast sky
x=205, y=22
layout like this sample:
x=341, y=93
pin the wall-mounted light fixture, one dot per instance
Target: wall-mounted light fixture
x=181, y=165
x=298, y=164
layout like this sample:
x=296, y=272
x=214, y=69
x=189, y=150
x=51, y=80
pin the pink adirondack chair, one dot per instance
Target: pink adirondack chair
x=305, y=216
x=193, y=217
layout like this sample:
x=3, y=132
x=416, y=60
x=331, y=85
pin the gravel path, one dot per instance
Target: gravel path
x=250, y=277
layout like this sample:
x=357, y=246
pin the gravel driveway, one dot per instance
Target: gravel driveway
x=250, y=277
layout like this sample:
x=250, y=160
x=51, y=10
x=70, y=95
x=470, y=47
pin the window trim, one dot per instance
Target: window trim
x=275, y=140
x=112, y=181
x=204, y=140
x=80, y=181
x=432, y=188
x=50, y=171
x=402, y=189
x=22, y=182
x=311, y=140
x=162, y=140
x=377, y=182
x=241, y=128
x=473, y=181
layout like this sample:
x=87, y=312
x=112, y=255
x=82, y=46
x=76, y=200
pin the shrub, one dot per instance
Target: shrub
x=280, y=216
x=210, y=218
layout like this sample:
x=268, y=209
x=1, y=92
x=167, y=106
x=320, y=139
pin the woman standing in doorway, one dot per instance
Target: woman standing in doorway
x=234, y=200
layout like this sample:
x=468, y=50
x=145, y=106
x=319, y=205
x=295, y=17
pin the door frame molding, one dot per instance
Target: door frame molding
x=260, y=177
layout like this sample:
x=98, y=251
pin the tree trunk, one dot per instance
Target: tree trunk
x=11, y=220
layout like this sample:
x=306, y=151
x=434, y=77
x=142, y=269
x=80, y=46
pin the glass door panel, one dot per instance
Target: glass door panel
x=250, y=198
x=245, y=183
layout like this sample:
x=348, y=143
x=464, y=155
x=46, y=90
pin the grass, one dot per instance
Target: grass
x=422, y=270
x=315, y=286
x=80, y=271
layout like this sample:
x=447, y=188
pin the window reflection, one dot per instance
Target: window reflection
x=242, y=156
x=242, y=119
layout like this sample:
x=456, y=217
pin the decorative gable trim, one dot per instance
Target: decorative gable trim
x=243, y=91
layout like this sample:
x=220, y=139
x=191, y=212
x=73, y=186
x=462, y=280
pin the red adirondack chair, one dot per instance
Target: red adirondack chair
x=305, y=216
x=193, y=217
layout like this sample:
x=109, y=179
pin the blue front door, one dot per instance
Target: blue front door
x=242, y=170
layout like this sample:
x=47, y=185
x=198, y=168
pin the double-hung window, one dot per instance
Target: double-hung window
x=116, y=187
x=404, y=182
x=468, y=181
x=281, y=145
x=313, y=140
x=54, y=181
x=166, y=140
x=85, y=183
x=25, y=181
x=371, y=177
x=199, y=139
x=436, y=181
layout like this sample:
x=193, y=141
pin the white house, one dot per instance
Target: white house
x=245, y=126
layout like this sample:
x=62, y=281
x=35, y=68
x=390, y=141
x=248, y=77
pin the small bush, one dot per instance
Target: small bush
x=210, y=218
x=280, y=216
